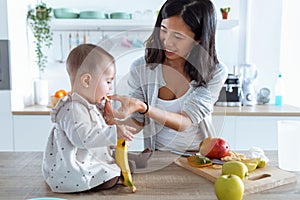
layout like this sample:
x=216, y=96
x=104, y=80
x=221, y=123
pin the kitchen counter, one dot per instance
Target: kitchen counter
x=21, y=178
x=257, y=110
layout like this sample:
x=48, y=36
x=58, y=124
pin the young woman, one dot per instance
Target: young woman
x=175, y=85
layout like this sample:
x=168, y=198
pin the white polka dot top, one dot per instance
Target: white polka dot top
x=77, y=156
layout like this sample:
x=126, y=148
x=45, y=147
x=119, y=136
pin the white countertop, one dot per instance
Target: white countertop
x=257, y=110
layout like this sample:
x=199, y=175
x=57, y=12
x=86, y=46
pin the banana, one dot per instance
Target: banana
x=122, y=161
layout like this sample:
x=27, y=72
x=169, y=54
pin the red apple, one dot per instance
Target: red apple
x=214, y=147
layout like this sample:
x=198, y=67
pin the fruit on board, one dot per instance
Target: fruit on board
x=262, y=163
x=199, y=161
x=229, y=187
x=60, y=93
x=235, y=167
x=214, y=147
x=251, y=163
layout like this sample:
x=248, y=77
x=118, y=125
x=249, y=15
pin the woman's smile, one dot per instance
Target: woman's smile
x=169, y=52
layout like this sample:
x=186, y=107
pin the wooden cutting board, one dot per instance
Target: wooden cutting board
x=258, y=180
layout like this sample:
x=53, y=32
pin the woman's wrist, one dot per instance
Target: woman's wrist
x=145, y=108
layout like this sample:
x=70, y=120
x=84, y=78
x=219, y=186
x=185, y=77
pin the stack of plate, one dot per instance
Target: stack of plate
x=120, y=15
x=70, y=13
x=93, y=15
x=65, y=13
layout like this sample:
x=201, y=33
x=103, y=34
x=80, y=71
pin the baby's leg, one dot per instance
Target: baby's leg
x=107, y=185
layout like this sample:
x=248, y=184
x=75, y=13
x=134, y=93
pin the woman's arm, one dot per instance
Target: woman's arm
x=199, y=103
x=175, y=121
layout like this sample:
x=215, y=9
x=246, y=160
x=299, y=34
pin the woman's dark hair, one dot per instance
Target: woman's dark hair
x=200, y=16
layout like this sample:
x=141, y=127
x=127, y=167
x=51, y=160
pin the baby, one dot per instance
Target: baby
x=77, y=155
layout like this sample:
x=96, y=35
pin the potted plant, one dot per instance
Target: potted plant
x=225, y=11
x=38, y=19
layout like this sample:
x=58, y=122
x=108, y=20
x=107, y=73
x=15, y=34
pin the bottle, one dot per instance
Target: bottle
x=279, y=90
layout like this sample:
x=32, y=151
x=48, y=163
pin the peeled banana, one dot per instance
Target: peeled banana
x=122, y=161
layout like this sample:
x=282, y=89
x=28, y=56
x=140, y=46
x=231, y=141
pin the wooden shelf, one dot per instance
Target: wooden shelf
x=227, y=24
x=119, y=25
x=101, y=25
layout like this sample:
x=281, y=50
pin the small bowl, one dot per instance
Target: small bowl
x=65, y=13
x=93, y=15
x=120, y=15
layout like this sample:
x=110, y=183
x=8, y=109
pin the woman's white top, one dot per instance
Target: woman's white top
x=168, y=139
x=144, y=84
x=77, y=156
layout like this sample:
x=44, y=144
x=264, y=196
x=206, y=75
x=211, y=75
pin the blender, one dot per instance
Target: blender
x=248, y=74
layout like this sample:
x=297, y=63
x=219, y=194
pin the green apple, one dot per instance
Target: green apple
x=235, y=167
x=229, y=187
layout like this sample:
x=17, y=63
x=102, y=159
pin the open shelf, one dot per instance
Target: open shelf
x=119, y=25
x=101, y=25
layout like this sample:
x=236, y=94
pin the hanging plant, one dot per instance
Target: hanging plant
x=39, y=19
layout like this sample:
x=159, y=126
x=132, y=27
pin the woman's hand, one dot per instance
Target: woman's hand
x=129, y=105
x=108, y=113
x=125, y=132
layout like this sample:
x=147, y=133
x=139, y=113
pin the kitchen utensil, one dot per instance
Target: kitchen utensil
x=93, y=15
x=288, y=145
x=259, y=180
x=65, y=13
x=70, y=41
x=61, y=49
x=77, y=39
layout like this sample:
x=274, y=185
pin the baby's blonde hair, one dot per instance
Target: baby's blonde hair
x=87, y=58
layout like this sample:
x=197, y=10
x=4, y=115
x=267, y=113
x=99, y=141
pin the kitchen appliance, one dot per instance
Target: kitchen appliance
x=231, y=92
x=263, y=96
x=248, y=74
x=6, y=143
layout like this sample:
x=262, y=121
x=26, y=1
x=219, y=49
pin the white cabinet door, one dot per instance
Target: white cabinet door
x=225, y=128
x=31, y=132
x=258, y=131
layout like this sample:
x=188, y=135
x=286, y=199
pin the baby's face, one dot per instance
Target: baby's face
x=103, y=83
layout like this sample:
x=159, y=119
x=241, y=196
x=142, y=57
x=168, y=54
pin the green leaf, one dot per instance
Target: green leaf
x=39, y=19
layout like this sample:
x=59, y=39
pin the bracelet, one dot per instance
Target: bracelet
x=146, y=108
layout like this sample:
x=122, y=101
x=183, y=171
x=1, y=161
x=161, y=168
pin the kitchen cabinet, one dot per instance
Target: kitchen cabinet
x=246, y=127
x=225, y=128
x=31, y=132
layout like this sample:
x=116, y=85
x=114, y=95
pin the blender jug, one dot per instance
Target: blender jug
x=248, y=74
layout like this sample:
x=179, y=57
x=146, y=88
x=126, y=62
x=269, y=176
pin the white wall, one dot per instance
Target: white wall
x=263, y=42
x=289, y=54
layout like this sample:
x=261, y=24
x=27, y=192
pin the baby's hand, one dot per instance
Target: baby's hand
x=125, y=132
